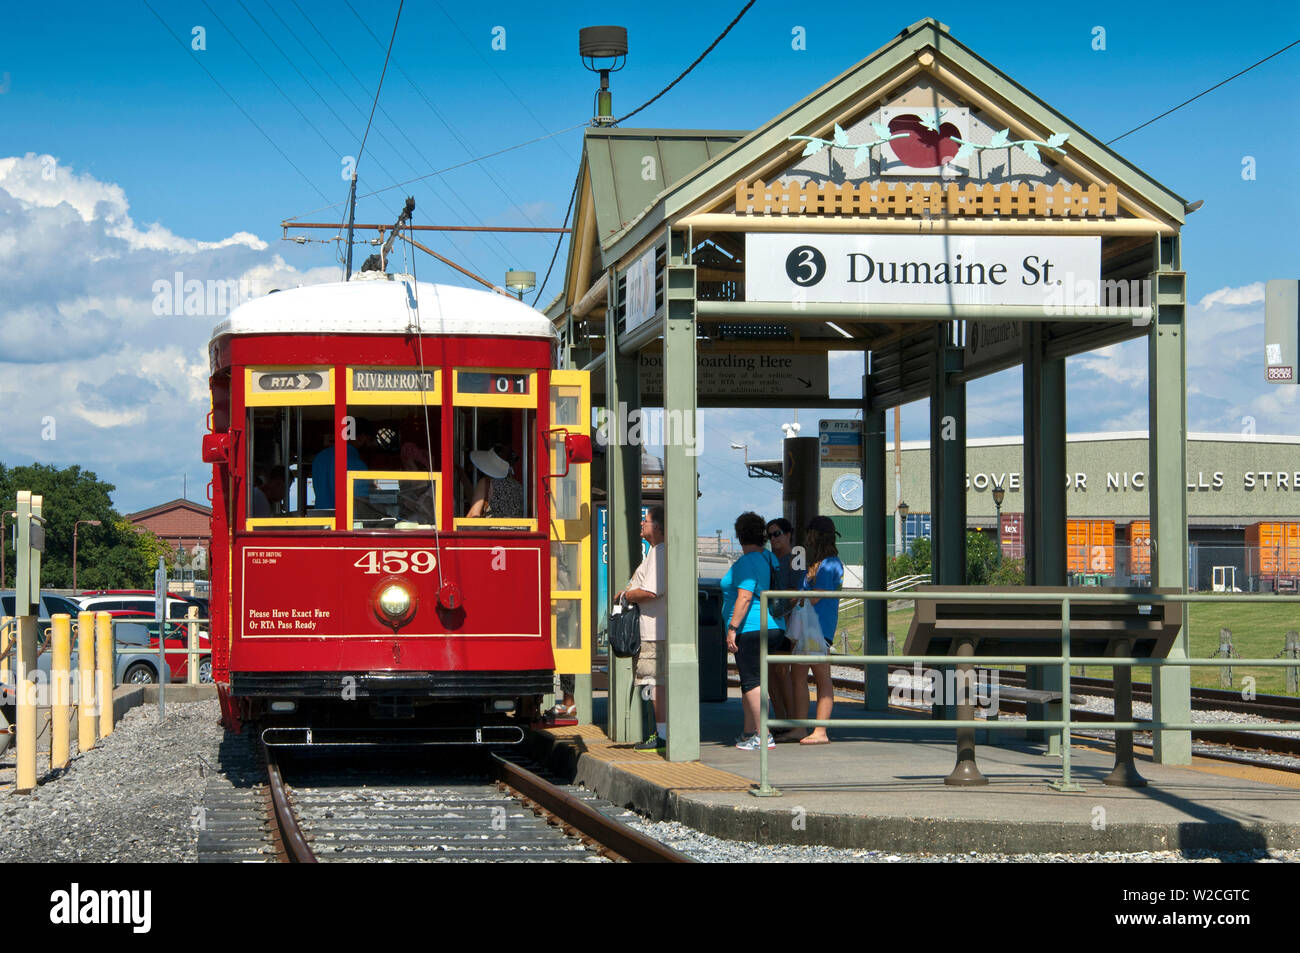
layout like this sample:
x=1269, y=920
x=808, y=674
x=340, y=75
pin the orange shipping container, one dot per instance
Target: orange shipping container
x=1090, y=546
x=1273, y=549
x=1139, y=541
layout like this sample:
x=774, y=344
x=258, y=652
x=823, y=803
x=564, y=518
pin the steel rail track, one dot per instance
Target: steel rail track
x=576, y=819
x=620, y=840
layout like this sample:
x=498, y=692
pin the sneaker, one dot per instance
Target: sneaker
x=751, y=742
x=653, y=743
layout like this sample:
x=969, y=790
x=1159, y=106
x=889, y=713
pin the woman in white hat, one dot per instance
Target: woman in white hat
x=497, y=493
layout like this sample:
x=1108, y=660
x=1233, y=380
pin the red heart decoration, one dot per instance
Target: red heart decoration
x=923, y=148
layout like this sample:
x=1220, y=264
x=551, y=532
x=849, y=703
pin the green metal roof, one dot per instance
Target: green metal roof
x=624, y=184
x=731, y=163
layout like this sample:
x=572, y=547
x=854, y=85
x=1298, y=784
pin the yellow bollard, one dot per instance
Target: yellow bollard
x=60, y=688
x=26, y=715
x=6, y=640
x=104, y=658
x=192, y=660
x=85, y=681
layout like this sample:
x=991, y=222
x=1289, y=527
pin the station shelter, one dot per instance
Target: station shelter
x=922, y=209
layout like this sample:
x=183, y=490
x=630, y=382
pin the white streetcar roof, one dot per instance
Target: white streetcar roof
x=379, y=306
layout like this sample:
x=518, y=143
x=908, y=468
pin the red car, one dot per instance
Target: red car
x=177, y=638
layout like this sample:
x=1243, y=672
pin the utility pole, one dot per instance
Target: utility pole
x=352, y=215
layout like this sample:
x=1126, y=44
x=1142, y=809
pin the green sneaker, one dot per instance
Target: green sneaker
x=653, y=743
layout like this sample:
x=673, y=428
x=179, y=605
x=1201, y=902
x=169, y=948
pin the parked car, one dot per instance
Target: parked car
x=50, y=605
x=138, y=629
x=139, y=600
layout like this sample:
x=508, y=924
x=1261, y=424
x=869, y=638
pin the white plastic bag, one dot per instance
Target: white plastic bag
x=807, y=630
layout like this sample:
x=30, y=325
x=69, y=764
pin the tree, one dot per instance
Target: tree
x=114, y=555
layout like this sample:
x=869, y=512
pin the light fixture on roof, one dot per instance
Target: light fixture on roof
x=521, y=281
x=603, y=43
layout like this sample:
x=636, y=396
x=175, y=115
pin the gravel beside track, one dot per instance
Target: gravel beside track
x=134, y=797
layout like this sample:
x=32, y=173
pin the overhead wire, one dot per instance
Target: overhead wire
x=507, y=260
x=451, y=168
x=287, y=98
x=486, y=62
x=378, y=89
x=235, y=102
x=699, y=59
x=449, y=127
x=558, y=242
x=1200, y=94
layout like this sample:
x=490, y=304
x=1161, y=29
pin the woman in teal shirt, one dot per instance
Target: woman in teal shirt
x=749, y=576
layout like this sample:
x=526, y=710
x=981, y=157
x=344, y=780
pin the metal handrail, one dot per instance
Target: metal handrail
x=1064, y=724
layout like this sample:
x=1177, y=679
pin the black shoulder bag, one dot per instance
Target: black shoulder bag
x=777, y=608
x=625, y=631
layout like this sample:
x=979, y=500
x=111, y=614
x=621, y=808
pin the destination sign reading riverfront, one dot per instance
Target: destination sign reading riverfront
x=376, y=379
x=923, y=269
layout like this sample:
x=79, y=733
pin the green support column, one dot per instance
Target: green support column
x=947, y=464
x=681, y=446
x=874, y=554
x=947, y=473
x=1044, y=493
x=623, y=517
x=1167, y=484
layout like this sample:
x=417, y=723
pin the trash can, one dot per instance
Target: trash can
x=712, y=643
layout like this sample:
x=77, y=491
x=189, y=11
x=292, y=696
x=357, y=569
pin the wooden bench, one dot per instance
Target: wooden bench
x=968, y=629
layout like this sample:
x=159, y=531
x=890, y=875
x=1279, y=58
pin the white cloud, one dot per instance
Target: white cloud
x=39, y=182
x=1233, y=297
x=81, y=345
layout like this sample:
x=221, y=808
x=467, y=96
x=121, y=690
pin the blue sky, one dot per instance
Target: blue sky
x=142, y=166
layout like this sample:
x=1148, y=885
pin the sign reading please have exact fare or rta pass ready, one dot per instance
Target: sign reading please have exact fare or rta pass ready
x=923, y=269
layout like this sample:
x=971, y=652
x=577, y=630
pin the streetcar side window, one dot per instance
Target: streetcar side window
x=284, y=444
x=394, y=469
x=493, y=469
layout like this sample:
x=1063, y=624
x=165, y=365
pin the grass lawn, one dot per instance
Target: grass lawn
x=1258, y=631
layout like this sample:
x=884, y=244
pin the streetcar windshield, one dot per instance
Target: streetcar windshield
x=395, y=456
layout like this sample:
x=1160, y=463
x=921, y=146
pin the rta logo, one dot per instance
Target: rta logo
x=806, y=266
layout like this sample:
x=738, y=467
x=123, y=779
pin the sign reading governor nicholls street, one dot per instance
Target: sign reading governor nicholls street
x=923, y=269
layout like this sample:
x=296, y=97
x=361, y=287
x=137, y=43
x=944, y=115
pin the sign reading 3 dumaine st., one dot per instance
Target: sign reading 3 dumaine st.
x=922, y=269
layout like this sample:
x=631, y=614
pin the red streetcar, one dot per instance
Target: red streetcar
x=401, y=515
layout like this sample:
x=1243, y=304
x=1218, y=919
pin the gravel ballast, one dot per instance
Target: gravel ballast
x=134, y=797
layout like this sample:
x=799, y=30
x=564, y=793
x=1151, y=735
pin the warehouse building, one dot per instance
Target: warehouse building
x=1243, y=502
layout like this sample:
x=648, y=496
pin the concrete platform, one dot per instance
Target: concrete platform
x=884, y=790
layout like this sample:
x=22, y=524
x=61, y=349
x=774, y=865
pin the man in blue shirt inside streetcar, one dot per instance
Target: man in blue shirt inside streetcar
x=322, y=468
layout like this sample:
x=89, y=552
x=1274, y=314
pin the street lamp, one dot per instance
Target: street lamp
x=745, y=448
x=520, y=281
x=74, y=548
x=999, y=494
x=3, y=540
x=903, y=510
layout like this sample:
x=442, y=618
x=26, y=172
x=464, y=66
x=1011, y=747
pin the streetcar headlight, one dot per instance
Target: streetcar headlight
x=395, y=602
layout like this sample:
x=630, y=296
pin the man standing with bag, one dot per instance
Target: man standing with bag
x=646, y=590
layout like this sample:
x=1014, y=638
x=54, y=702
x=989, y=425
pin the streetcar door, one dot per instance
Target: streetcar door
x=570, y=527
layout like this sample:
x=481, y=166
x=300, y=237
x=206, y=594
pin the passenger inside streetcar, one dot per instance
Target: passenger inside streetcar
x=403, y=441
x=322, y=465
